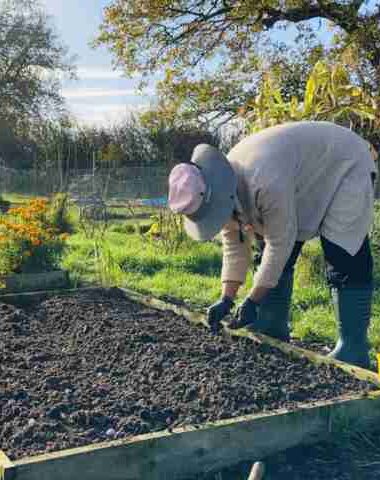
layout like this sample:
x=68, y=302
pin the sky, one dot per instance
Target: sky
x=100, y=95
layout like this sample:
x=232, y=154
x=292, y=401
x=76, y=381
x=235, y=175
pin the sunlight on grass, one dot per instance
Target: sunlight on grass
x=314, y=323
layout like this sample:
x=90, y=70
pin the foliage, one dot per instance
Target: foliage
x=4, y=204
x=111, y=154
x=211, y=55
x=208, y=102
x=32, y=62
x=55, y=148
x=28, y=241
x=167, y=231
x=329, y=95
x=59, y=213
x=93, y=219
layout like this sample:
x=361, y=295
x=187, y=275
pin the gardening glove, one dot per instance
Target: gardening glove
x=246, y=315
x=217, y=312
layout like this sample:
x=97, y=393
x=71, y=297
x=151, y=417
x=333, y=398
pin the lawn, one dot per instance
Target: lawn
x=192, y=275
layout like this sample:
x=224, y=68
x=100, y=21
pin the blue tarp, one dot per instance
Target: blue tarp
x=154, y=202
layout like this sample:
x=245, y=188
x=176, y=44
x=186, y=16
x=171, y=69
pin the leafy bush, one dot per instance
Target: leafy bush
x=29, y=242
x=4, y=204
x=167, y=231
x=330, y=94
x=58, y=215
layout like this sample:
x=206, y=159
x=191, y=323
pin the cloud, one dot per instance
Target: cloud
x=98, y=73
x=104, y=114
x=77, y=93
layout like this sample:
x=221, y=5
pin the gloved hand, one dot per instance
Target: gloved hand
x=246, y=315
x=217, y=312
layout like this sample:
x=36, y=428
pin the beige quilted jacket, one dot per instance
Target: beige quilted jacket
x=297, y=181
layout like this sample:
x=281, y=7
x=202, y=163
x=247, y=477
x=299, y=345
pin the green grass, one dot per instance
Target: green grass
x=16, y=198
x=191, y=275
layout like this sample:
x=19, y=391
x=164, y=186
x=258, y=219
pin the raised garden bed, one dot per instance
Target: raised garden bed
x=95, y=366
x=27, y=282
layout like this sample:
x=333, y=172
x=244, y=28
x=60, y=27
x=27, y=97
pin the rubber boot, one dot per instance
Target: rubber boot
x=273, y=317
x=352, y=308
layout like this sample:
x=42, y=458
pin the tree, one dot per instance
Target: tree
x=31, y=58
x=211, y=52
x=111, y=155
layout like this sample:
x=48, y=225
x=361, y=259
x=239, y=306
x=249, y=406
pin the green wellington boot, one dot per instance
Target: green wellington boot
x=273, y=312
x=352, y=308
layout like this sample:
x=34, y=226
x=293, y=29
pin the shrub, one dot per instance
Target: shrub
x=28, y=240
x=167, y=231
x=58, y=214
x=4, y=205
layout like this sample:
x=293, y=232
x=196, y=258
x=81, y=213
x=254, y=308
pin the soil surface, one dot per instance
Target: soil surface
x=94, y=366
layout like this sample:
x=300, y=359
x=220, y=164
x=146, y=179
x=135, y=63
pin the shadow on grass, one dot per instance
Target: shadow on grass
x=209, y=265
x=198, y=264
x=147, y=266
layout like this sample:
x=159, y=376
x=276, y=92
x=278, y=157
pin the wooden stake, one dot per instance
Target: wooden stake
x=4, y=464
x=257, y=472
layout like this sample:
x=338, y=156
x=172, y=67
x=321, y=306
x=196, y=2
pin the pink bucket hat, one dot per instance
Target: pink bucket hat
x=187, y=189
x=203, y=190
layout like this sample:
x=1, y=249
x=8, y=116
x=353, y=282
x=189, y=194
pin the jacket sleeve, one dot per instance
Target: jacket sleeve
x=277, y=206
x=237, y=255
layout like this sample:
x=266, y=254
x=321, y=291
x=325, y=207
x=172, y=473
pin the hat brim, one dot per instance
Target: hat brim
x=221, y=179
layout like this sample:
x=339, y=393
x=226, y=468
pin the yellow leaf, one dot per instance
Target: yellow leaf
x=309, y=93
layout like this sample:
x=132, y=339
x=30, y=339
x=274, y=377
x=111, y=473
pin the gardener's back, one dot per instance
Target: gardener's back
x=307, y=162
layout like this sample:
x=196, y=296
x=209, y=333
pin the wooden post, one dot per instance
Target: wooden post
x=4, y=464
x=257, y=472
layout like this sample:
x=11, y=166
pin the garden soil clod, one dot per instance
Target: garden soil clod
x=94, y=366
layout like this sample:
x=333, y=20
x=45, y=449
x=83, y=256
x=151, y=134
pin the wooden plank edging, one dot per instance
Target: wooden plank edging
x=5, y=464
x=189, y=451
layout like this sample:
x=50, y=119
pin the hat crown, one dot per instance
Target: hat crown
x=187, y=189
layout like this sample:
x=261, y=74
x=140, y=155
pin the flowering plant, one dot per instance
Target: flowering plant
x=29, y=241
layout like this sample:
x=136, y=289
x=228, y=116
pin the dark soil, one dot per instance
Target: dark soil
x=86, y=368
